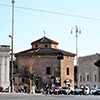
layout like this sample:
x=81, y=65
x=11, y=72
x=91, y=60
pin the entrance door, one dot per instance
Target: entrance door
x=38, y=83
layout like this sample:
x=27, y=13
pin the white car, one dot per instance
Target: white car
x=92, y=90
x=86, y=90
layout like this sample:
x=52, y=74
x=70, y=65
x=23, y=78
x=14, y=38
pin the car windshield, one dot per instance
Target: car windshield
x=99, y=87
x=78, y=88
x=93, y=88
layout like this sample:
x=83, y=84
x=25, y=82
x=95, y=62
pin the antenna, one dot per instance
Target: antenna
x=44, y=33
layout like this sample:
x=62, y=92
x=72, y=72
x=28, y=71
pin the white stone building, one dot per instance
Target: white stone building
x=4, y=65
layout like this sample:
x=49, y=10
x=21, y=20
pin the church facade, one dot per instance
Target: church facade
x=47, y=62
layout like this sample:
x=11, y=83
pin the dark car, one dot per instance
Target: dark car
x=1, y=88
x=56, y=90
x=97, y=91
x=67, y=90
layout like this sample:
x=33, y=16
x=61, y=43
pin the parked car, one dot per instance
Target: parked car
x=1, y=88
x=67, y=90
x=78, y=90
x=97, y=91
x=56, y=90
x=5, y=90
x=93, y=90
x=86, y=90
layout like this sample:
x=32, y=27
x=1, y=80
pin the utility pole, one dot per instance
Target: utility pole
x=77, y=31
x=11, y=36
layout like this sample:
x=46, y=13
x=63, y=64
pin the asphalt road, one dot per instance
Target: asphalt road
x=48, y=97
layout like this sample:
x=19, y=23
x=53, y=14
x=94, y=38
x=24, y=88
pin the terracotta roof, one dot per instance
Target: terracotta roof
x=44, y=40
x=44, y=51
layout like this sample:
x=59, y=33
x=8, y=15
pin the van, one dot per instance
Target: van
x=86, y=90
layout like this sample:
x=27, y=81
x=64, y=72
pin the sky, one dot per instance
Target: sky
x=57, y=18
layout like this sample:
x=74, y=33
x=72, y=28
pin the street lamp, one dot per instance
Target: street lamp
x=11, y=77
x=11, y=36
x=77, y=31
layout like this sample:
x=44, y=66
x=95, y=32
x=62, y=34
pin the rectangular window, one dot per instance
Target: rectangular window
x=0, y=59
x=26, y=70
x=95, y=77
x=48, y=70
x=67, y=71
x=80, y=78
x=83, y=79
x=23, y=80
x=87, y=78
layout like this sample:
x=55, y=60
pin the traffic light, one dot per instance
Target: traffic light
x=32, y=76
x=97, y=63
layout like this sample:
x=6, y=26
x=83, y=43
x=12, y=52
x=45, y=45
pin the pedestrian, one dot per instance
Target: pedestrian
x=47, y=88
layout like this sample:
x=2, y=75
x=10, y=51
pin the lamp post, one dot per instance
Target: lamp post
x=77, y=31
x=11, y=77
x=11, y=36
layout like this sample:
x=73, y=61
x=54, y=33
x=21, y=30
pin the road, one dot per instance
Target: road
x=48, y=97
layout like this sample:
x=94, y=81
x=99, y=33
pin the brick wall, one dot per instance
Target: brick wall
x=39, y=64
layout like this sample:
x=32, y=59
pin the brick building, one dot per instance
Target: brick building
x=48, y=63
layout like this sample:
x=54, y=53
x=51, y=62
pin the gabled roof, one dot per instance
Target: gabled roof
x=44, y=51
x=44, y=40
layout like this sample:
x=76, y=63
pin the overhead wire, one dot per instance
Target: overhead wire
x=53, y=20
x=58, y=13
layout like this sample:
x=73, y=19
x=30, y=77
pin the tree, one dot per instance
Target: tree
x=97, y=63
